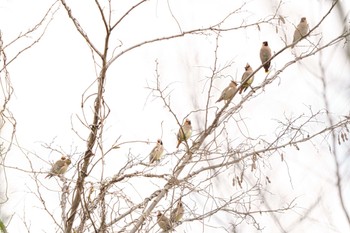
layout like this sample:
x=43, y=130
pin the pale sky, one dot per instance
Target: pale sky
x=50, y=78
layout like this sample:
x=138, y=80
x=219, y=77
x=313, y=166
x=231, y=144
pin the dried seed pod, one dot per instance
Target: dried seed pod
x=296, y=146
x=268, y=179
x=239, y=182
x=281, y=18
x=342, y=136
x=253, y=166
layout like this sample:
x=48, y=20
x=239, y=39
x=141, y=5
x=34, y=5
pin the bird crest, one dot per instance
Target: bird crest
x=234, y=82
x=188, y=121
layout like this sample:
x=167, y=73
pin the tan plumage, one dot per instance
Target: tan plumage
x=178, y=212
x=157, y=152
x=301, y=30
x=228, y=92
x=184, y=133
x=59, y=167
x=265, y=55
x=248, y=71
x=163, y=222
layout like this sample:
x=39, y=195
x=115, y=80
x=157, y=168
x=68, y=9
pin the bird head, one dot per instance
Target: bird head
x=63, y=158
x=187, y=121
x=265, y=43
x=159, y=141
x=159, y=214
x=303, y=19
x=247, y=66
x=68, y=161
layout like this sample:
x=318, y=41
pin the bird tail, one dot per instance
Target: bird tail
x=178, y=143
x=48, y=176
x=267, y=66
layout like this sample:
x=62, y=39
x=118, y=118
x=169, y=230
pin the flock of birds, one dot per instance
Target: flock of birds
x=185, y=131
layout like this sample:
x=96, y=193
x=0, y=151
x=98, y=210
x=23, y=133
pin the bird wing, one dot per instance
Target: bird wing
x=224, y=93
x=57, y=167
x=265, y=54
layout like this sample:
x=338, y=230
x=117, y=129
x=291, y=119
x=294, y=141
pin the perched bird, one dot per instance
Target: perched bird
x=59, y=167
x=301, y=30
x=157, y=152
x=163, y=222
x=248, y=71
x=228, y=92
x=265, y=55
x=184, y=133
x=178, y=212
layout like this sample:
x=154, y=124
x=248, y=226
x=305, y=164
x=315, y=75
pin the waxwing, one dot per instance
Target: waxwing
x=184, y=133
x=228, y=92
x=59, y=167
x=163, y=222
x=178, y=212
x=265, y=55
x=157, y=152
x=246, y=74
x=301, y=30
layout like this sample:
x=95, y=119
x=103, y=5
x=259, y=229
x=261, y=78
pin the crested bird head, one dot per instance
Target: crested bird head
x=247, y=66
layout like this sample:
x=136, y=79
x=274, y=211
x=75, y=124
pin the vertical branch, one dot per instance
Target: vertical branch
x=79, y=28
x=214, y=72
x=334, y=150
x=64, y=196
x=103, y=212
x=94, y=127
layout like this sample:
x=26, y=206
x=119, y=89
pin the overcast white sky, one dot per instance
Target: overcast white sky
x=50, y=78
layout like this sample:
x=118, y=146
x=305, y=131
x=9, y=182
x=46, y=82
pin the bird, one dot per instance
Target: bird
x=163, y=222
x=178, y=212
x=228, y=92
x=59, y=167
x=157, y=152
x=301, y=30
x=184, y=133
x=265, y=55
x=248, y=71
